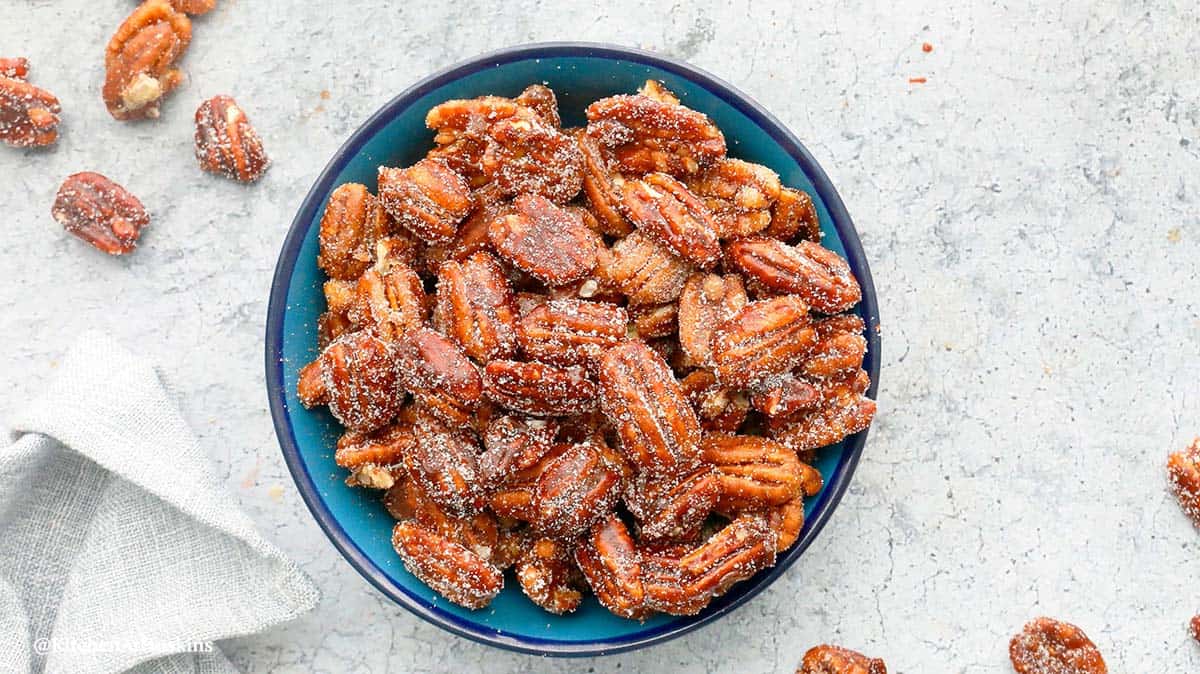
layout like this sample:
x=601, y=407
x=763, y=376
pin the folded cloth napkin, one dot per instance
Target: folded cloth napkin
x=119, y=548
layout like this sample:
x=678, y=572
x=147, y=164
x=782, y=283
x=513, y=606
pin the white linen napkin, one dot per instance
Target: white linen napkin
x=119, y=549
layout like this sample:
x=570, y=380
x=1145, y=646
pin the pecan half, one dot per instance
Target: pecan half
x=659, y=431
x=461, y=127
x=374, y=458
x=194, y=7
x=840, y=347
x=310, y=388
x=471, y=238
x=612, y=565
x=813, y=272
x=788, y=521
x=764, y=339
x=571, y=332
x=843, y=411
x=755, y=473
x=744, y=185
x=739, y=550
x=649, y=135
x=704, y=303
x=600, y=188
x=360, y=377
x=549, y=577
x=525, y=155
x=645, y=271
x=1195, y=625
x=667, y=586
x=541, y=99
x=1050, y=646
x=538, y=389
x=663, y=207
x=786, y=395
x=140, y=60
x=650, y=322
x=350, y=226
x=226, y=143
x=443, y=462
x=428, y=199
x=658, y=91
x=1183, y=468
x=452, y=570
x=475, y=307
x=793, y=217
x=513, y=444
x=438, y=375
x=479, y=533
x=28, y=114
x=574, y=491
x=719, y=408
x=826, y=659
x=547, y=242
x=100, y=212
x=389, y=300
x=673, y=508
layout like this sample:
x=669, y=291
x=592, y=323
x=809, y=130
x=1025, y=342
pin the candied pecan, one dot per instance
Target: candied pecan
x=541, y=99
x=438, y=375
x=512, y=444
x=826, y=659
x=1184, y=470
x=571, y=332
x=475, y=307
x=785, y=395
x=443, y=462
x=659, y=431
x=788, y=521
x=471, y=238
x=194, y=7
x=666, y=585
x=374, y=459
x=840, y=347
x=140, y=60
x=549, y=577
x=549, y=243
x=755, y=473
x=705, y=301
x=1047, y=646
x=390, y=301
x=310, y=388
x=663, y=207
x=575, y=490
x=744, y=185
x=739, y=550
x=600, y=188
x=650, y=322
x=525, y=155
x=1195, y=625
x=612, y=565
x=673, y=507
x=478, y=533
x=452, y=570
x=28, y=114
x=649, y=135
x=719, y=408
x=733, y=222
x=100, y=212
x=658, y=91
x=813, y=272
x=537, y=388
x=843, y=411
x=764, y=339
x=428, y=199
x=794, y=216
x=351, y=224
x=645, y=271
x=512, y=542
x=360, y=377
x=226, y=143
x=455, y=118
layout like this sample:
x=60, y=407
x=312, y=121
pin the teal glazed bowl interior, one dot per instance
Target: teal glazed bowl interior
x=354, y=519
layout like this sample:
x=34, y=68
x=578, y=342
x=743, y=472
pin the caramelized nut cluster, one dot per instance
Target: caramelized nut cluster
x=602, y=356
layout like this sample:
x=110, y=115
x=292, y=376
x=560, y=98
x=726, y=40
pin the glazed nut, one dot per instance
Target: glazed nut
x=358, y=373
x=650, y=322
x=1047, y=645
x=611, y=563
x=428, y=199
x=754, y=473
x=100, y=212
x=746, y=186
x=226, y=143
x=571, y=332
x=525, y=155
x=541, y=99
x=545, y=241
x=513, y=444
x=194, y=7
x=28, y=114
x=764, y=339
x=1183, y=468
x=705, y=302
x=384, y=447
x=840, y=347
x=794, y=217
x=826, y=659
x=673, y=509
x=538, y=389
x=15, y=67
x=643, y=270
x=438, y=375
x=310, y=388
x=449, y=568
x=843, y=411
x=549, y=577
x=788, y=521
x=647, y=135
x=665, y=209
x=786, y=395
x=818, y=275
x=600, y=188
x=140, y=60
x=475, y=307
x=720, y=409
x=739, y=550
x=576, y=489
x=443, y=462
x=389, y=300
x=351, y=225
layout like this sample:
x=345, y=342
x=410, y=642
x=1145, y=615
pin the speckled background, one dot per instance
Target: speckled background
x=1029, y=213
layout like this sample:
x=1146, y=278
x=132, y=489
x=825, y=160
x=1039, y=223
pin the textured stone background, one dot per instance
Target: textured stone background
x=1029, y=212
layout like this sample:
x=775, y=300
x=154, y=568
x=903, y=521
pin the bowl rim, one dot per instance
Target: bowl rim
x=835, y=486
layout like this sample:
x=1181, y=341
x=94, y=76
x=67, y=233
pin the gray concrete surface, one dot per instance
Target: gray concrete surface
x=1029, y=212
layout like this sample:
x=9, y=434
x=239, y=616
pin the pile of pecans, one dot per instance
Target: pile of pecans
x=603, y=356
x=139, y=72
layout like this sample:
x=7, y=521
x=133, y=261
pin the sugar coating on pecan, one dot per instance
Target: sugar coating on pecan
x=1048, y=646
x=28, y=114
x=101, y=212
x=1183, y=468
x=827, y=659
x=226, y=143
x=140, y=60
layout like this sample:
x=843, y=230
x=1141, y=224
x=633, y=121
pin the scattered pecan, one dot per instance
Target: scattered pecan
x=793, y=217
x=194, y=7
x=550, y=243
x=549, y=577
x=840, y=347
x=449, y=568
x=571, y=332
x=438, y=375
x=513, y=444
x=704, y=303
x=475, y=307
x=525, y=155
x=360, y=377
x=226, y=143
x=719, y=408
x=600, y=188
x=817, y=274
x=649, y=135
x=1183, y=468
x=645, y=271
x=764, y=339
x=1047, y=646
x=663, y=207
x=428, y=199
x=140, y=60
x=755, y=473
x=352, y=223
x=1195, y=625
x=843, y=411
x=100, y=212
x=538, y=389
x=673, y=508
x=612, y=565
x=28, y=114
x=659, y=431
x=827, y=659
x=574, y=491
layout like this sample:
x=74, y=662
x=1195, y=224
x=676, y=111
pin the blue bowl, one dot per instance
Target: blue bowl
x=354, y=519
